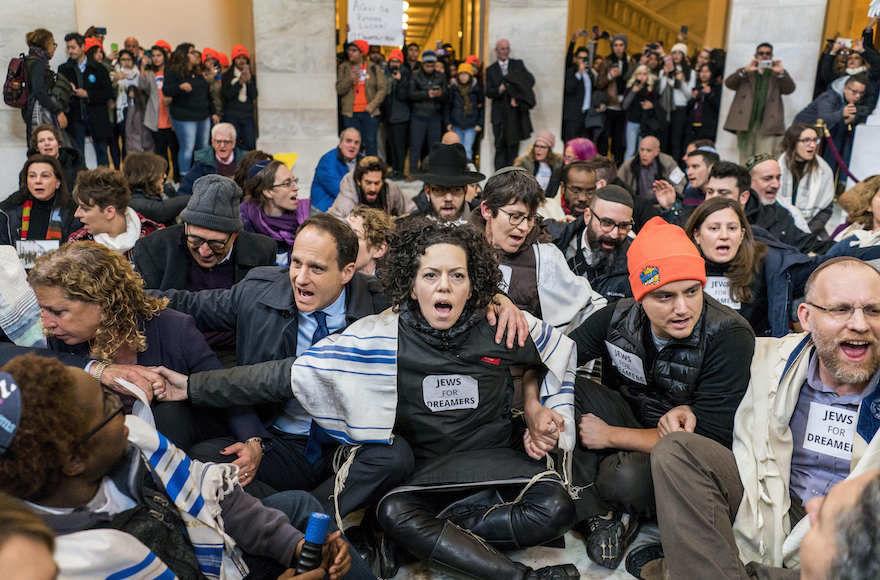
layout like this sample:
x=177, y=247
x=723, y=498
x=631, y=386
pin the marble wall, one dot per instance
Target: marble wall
x=536, y=30
x=794, y=27
x=59, y=16
x=296, y=64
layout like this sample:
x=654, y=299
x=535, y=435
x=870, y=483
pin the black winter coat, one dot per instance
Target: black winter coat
x=396, y=108
x=421, y=104
x=455, y=113
x=96, y=81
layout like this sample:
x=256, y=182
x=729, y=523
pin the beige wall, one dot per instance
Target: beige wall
x=218, y=24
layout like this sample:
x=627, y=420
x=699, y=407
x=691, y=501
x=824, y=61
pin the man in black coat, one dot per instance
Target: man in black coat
x=510, y=86
x=580, y=83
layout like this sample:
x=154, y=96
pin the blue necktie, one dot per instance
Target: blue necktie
x=317, y=436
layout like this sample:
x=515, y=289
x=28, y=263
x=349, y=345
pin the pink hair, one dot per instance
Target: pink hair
x=583, y=148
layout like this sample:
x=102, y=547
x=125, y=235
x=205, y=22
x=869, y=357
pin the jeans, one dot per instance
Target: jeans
x=467, y=137
x=192, y=136
x=368, y=125
x=632, y=139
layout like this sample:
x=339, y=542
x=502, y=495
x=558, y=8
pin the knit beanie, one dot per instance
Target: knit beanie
x=679, y=47
x=467, y=68
x=622, y=38
x=546, y=137
x=214, y=204
x=362, y=45
x=397, y=55
x=660, y=254
x=240, y=50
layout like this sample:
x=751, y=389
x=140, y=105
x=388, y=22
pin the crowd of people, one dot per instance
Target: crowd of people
x=634, y=330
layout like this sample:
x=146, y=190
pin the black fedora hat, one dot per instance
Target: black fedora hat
x=447, y=166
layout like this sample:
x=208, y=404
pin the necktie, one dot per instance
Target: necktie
x=317, y=436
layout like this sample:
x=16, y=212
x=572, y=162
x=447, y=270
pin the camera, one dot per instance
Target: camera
x=765, y=64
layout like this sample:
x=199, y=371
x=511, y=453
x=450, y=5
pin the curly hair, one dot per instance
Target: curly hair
x=858, y=537
x=103, y=187
x=51, y=423
x=409, y=244
x=857, y=201
x=378, y=225
x=89, y=272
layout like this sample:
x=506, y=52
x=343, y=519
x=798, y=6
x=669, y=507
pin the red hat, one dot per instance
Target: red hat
x=92, y=42
x=396, y=54
x=660, y=254
x=163, y=44
x=208, y=52
x=473, y=60
x=221, y=56
x=362, y=46
x=239, y=50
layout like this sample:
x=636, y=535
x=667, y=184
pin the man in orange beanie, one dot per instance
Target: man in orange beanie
x=361, y=86
x=673, y=359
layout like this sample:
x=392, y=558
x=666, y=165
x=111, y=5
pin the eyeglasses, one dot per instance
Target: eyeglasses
x=580, y=191
x=223, y=141
x=608, y=225
x=112, y=407
x=287, y=183
x=216, y=246
x=766, y=54
x=517, y=218
x=808, y=140
x=855, y=92
x=843, y=312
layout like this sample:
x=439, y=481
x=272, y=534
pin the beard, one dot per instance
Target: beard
x=843, y=371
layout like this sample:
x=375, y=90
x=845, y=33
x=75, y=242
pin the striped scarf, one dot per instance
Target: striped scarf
x=53, y=231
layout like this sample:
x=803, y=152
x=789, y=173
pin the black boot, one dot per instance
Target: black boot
x=467, y=554
x=558, y=572
x=608, y=538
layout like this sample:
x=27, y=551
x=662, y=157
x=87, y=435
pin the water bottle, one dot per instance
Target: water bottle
x=312, y=551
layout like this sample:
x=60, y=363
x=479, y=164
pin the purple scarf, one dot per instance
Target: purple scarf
x=281, y=228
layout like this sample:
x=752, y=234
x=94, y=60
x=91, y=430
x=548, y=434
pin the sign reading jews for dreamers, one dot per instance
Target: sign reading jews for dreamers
x=376, y=21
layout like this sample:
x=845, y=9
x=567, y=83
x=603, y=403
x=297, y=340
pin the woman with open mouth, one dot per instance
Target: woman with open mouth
x=436, y=376
x=807, y=183
x=269, y=206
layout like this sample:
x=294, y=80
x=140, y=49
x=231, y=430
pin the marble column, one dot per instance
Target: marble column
x=794, y=27
x=296, y=71
x=59, y=16
x=536, y=30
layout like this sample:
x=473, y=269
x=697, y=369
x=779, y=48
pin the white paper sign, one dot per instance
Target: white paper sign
x=376, y=21
x=30, y=250
x=676, y=176
x=718, y=287
x=627, y=364
x=450, y=392
x=830, y=430
x=506, y=275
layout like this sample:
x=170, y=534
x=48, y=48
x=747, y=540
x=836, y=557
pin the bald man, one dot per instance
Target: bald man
x=647, y=174
x=333, y=166
x=808, y=421
x=510, y=86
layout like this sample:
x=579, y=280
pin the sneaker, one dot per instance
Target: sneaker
x=641, y=556
x=560, y=572
x=607, y=538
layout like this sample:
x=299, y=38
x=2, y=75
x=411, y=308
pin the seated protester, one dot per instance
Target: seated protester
x=19, y=312
x=245, y=164
x=333, y=166
x=672, y=359
x=374, y=229
x=47, y=140
x=27, y=543
x=807, y=182
x=146, y=174
x=862, y=205
x=675, y=209
x=805, y=424
x=102, y=196
x=367, y=186
x=578, y=181
x=640, y=173
x=208, y=250
x=122, y=498
x=221, y=158
x=446, y=182
x=534, y=273
x=763, y=209
x=40, y=211
x=542, y=162
x=94, y=305
x=599, y=241
x=270, y=205
x=579, y=149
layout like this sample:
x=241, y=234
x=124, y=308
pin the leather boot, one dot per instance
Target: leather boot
x=467, y=554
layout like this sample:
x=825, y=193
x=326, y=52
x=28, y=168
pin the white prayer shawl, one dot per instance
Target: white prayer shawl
x=566, y=298
x=19, y=312
x=863, y=239
x=348, y=382
x=763, y=448
x=107, y=554
x=815, y=191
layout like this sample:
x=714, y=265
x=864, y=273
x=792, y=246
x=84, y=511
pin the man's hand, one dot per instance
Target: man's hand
x=249, y=455
x=777, y=67
x=858, y=46
x=647, y=105
x=614, y=72
x=849, y=113
x=337, y=559
x=62, y=120
x=752, y=66
x=81, y=93
x=176, y=385
x=186, y=87
x=664, y=193
x=594, y=432
x=215, y=118
x=679, y=418
x=544, y=427
x=508, y=319
x=146, y=379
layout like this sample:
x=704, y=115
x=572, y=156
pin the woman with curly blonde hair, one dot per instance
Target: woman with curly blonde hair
x=862, y=205
x=93, y=304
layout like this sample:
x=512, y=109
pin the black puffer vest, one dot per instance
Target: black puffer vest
x=672, y=378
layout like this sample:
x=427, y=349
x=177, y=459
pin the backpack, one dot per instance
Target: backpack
x=15, y=91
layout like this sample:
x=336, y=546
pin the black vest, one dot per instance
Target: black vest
x=671, y=374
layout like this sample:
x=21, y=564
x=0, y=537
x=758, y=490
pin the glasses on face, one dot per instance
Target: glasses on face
x=222, y=142
x=580, y=191
x=287, y=183
x=517, y=218
x=855, y=92
x=764, y=54
x=808, y=140
x=843, y=312
x=112, y=408
x=608, y=225
x=216, y=246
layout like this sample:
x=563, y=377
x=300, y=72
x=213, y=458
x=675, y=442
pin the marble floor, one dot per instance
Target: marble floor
x=573, y=553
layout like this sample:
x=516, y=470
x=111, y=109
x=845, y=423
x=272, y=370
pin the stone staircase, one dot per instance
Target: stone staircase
x=643, y=22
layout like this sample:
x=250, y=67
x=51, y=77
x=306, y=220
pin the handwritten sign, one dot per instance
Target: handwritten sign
x=376, y=21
